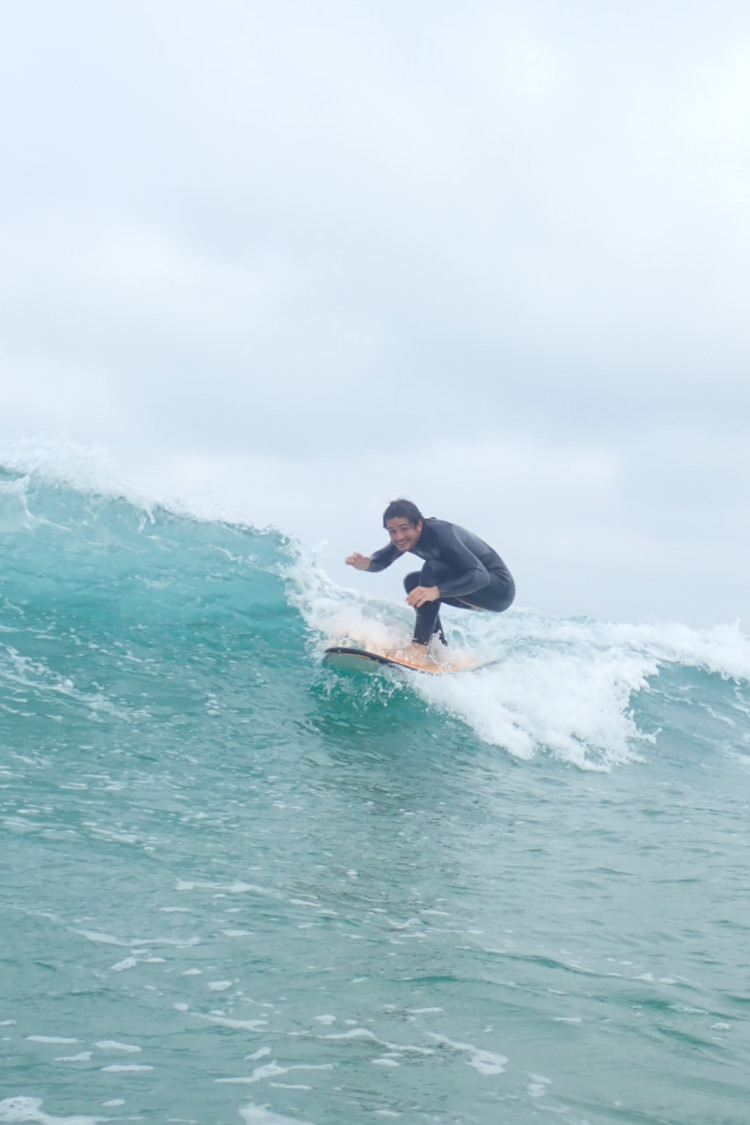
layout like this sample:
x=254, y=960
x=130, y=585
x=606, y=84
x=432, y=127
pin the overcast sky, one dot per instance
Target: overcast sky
x=293, y=258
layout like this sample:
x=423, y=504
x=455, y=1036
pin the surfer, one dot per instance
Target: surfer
x=460, y=569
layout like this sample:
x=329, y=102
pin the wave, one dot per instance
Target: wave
x=558, y=686
x=134, y=611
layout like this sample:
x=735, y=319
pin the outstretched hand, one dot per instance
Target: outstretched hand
x=359, y=562
x=422, y=594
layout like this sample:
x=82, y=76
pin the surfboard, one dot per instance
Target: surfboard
x=346, y=659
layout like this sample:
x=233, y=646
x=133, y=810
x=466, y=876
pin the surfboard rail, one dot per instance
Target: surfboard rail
x=348, y=658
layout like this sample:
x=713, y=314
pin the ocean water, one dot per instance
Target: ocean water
x=241, y=889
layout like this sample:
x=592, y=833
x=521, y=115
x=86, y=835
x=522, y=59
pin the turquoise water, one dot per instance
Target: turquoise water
x=240, y=888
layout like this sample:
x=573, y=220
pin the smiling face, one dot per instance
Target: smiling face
x=404, y=535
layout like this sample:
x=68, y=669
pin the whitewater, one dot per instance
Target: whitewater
x=239, y=888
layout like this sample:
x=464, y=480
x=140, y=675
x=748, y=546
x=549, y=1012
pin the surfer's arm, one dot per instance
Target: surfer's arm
x=379, y=560
x=420, y=595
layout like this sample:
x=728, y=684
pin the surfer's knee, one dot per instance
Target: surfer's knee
x=412, y=580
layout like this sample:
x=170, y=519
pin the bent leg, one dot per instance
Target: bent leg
x=428, y=615
x=495, y=597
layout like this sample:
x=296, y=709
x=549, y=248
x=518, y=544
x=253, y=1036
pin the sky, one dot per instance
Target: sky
x=285, y=260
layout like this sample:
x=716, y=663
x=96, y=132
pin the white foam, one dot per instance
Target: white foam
x=113, y=1045
x=339, y=615
x=365, y=1033
x=49, y=1039
x=270, y=1070
x=538, y=1085
x=486, y=1062
x=98, y=470
x=30, y=1109
x=572, y=701
x=56, y=458
x=261, y=1115
x=123, y=966
x=549, y=685
x=235, y=1025
x=126, y=1068
x=238, y=887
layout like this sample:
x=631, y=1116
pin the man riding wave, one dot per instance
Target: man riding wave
x=459, y=569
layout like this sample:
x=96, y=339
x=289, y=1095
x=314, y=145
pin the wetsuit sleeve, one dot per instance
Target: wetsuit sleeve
x=379, y=560
x=468, y=573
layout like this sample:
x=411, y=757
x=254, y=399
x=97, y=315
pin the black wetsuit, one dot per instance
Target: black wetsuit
x=468, y=573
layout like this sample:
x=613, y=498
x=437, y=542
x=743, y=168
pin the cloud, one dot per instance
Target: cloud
x=493, y=254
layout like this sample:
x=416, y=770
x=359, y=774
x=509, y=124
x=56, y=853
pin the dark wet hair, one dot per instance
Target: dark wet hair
x=403, y=509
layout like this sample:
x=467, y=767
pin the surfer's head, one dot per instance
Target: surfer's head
x=405, y=509
x=403, y=521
